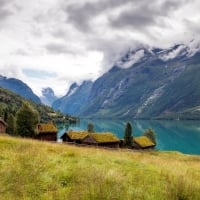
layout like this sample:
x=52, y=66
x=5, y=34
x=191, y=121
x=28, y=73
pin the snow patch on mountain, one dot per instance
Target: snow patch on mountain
x=169, y=55
x=155, y=95
x=188, y=50
x=131, y=59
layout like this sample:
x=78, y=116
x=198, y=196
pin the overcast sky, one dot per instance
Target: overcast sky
x=57, y=42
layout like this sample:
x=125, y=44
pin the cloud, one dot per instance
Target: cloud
x=131, y=59
x=78, y=40
x=173, y=53
x=5, y=10
x=142, y=16
x=56, y=48
x=81, y=15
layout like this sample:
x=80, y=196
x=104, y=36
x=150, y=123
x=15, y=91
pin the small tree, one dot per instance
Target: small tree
x=27, y=119
x=90, y=128
x=150, y=133
x=11, y=129
x=128, y=138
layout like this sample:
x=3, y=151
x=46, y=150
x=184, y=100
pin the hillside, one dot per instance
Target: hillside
x=38, y=170
x=147, y=83
x=10, y=102
x=75, y=99
x=19, y=87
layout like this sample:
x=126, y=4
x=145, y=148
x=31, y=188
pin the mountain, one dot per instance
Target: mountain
x=19, y=87
x=10, y=102
x=148, y=83
x=75, y=99
x=48, y=96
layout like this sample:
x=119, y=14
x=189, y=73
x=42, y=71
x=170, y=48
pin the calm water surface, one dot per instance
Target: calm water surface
x=183, y=136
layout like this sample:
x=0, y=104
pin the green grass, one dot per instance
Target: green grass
x=40, y=170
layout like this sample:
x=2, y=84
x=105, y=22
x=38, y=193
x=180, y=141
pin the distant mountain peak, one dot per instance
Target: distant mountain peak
x=47, y=91
x=48, y=96
x=143, y=54
x=72, y=89
x=75, y=99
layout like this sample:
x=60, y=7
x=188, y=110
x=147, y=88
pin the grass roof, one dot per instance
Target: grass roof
x=144, y=141
x=45, y=128
x=104, y=137
x=77, y=135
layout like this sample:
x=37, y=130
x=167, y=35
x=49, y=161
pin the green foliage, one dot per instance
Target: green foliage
x=90, y=128
x=11, y=129
x=27, y=120
x=150, y=133
x=128, y=138
x=11, y=102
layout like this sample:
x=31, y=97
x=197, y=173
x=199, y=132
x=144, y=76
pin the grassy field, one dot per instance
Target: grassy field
x=39, y=170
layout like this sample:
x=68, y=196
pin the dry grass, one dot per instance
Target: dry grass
x=38, y=170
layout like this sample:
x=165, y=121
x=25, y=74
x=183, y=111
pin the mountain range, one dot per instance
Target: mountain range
x=19, y=87
x=145, y=83
x=75, y=99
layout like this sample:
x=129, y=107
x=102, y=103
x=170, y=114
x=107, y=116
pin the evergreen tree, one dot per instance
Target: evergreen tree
x=11, y=125
x=90, y=128
x=150, y=133
x=6, y=115
x=27, y=119
x=128, y=138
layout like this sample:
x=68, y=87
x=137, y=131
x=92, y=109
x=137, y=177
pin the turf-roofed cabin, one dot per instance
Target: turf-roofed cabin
x=102, y=139
x=3, y=126
x=96, y=139
x=143, y=142
x=47, y=132
x=74, y=136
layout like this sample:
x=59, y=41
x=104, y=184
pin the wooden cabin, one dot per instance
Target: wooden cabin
x=102, y=139
x=143, y=142
x=3, y=126
x=47, y=132
x=74, y=136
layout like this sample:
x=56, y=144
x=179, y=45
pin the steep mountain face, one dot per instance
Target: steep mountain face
x=145, y=83
x=48, y=96
x=75, y=99
x=19, y=87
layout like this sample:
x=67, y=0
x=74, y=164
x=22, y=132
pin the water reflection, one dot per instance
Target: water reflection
x=183, y=136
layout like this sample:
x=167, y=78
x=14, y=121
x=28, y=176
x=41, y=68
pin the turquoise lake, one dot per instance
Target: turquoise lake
x=183, y=136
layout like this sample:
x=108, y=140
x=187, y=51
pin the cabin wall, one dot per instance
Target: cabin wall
x=109, y=145
x=89, y=141
x=66, y=138
x=47, y=136
x=2, y=128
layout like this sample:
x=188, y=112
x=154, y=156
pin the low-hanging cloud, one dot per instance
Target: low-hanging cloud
x=78, y=40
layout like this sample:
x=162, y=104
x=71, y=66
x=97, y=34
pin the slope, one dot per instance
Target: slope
x=19, y=87
x=11, y=102
x=79, y=173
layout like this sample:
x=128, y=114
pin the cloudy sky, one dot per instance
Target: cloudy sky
x=57, y=42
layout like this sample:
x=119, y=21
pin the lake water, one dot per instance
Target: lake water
x=183, y=136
